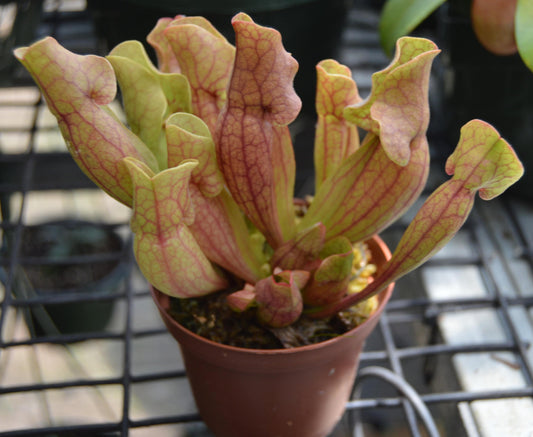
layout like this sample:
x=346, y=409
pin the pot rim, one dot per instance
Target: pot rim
x=161, y=300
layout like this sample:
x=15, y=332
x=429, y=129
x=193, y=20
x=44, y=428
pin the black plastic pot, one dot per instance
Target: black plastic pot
x=478, y=84
x=21, y=31
x=70, y=269
x=311, y=29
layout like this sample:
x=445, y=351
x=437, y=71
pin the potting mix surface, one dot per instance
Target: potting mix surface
x=211, y=318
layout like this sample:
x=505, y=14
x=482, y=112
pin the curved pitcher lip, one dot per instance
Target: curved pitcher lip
x=162, y=301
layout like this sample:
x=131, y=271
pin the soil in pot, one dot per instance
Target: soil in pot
x=74, y=266
x=299, y=391
x=211, y=318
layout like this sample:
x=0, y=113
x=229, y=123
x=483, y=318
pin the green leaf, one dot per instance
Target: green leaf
x=77, y=90
x=144, y=115
x=243, y=299
x=188, y=137
x=397, y=109
x=254, y=148
x=220, y=228
x=165, y=249
x=138, y=78
x=166, y=60
x=278, y=298
x=483, y=162
x=302, y=252
x=329, y=281
x=223, y=235
x=524, y=31
x=370, y=191
x=378, y=182
x=206, y=58
x=335, y=138
x=401, y=17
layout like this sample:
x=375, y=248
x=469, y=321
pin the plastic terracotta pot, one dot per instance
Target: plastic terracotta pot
x=274, y=393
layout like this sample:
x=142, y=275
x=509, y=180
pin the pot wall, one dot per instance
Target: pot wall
x=273, y=393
